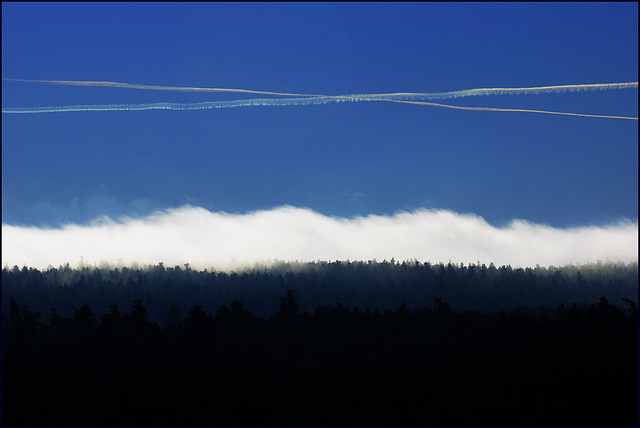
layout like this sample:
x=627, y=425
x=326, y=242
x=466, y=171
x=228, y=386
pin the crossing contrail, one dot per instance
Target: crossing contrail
x=312, y=99
x=396, y=95
x=270, y=102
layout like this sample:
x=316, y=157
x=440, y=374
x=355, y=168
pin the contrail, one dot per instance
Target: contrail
x=272, y=103
x=513, y=109
x=396, y=95
x=153, y=87
x=310, y=99
x=534, y=90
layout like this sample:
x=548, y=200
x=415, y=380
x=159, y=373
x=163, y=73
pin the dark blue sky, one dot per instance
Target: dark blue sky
x=341, y=159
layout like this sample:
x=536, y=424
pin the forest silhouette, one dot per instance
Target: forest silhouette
x=368, y=284
x=428, y=363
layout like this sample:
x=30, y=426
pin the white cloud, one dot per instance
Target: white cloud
x=207, y=239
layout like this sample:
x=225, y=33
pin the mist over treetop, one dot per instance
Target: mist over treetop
x=225, y=241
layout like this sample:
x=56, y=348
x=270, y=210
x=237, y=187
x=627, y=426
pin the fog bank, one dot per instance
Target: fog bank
x=223, y=241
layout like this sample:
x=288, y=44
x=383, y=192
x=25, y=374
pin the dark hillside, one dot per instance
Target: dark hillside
x=338, y=365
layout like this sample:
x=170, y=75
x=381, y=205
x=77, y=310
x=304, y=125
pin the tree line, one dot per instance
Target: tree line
x=335, y=365
x=371, y=284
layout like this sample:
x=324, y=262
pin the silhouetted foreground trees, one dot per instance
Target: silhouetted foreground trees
x=338, y=365
x=375, y=285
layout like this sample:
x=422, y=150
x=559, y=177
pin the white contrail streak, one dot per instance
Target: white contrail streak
x=272, y=103
x=179, y=106
x=397, y=95
x=306, y=99
x=513, y=110
x=152, y=87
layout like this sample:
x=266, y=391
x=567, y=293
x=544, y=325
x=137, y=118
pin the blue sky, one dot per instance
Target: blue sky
x=339, y=159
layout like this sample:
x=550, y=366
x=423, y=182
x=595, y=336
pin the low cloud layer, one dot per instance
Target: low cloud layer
x=222, y=241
